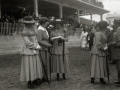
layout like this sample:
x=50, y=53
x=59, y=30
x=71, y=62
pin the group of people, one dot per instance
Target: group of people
x=99, y=52
x=44, y=52
x=86, y=37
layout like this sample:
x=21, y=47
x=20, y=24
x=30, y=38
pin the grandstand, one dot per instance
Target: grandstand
x=13, y=10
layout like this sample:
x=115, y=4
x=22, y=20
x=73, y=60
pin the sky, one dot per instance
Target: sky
x=111, y=5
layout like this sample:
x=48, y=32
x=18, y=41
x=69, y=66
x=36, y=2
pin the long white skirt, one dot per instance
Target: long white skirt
x=83, y=42
x=31, y=68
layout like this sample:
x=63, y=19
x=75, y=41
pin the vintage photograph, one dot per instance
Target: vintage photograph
x=59, y=44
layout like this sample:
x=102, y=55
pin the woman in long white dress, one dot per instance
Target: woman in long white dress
x=83, y=38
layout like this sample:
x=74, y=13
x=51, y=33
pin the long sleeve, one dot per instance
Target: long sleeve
x=98, y=41
x=40, y=39
x=66, y=37
x=81, y=36
x=28, y=43
x=118, y=39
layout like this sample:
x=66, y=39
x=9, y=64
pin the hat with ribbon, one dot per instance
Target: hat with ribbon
x=28, y=20
x=58, y=21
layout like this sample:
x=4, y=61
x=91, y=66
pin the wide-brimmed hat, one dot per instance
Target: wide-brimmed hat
x=58, y=21
x=28, y=20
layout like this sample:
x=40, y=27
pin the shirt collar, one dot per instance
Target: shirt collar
x=41, y=28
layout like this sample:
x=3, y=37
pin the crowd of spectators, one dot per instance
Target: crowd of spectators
x=13, y=14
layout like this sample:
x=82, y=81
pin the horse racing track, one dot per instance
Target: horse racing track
x=78, y=79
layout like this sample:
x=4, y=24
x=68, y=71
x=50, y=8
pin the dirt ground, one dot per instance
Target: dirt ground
x=78, y=79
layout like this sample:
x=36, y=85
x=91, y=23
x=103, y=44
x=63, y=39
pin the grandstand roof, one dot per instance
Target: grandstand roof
x=75, y=4
x=81, y=5
x=116, y=16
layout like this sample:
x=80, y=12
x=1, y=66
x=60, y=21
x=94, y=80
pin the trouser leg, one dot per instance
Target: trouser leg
x=118, y=69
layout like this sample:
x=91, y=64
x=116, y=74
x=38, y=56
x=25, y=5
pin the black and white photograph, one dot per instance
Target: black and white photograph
x=59, y=44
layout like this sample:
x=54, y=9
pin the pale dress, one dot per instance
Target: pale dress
x=83, y=40
x=58, y=65
x=98, y=58
x=31, y=68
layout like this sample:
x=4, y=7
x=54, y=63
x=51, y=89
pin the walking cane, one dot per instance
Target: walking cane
x=49, y=55
x=44, y=69
x=107, y=64
x=50, y=63
x=63, y=50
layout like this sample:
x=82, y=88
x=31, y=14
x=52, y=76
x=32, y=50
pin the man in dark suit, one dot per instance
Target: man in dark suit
x=89, y=38
x=116, y=54
x=110, y=39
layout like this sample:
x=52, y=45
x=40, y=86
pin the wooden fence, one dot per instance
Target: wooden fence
x=11, y=40
x=10, y=28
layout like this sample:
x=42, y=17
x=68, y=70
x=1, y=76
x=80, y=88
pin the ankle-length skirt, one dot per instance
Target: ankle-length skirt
x=31, y=68
x=99, y=66
x=58, y=65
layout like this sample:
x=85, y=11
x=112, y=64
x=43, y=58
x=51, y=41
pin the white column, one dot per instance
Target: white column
x=0, y=9
x=78, y=18
x=60, y=11
x=36, y=7
x=101, y=17
x=91, y=18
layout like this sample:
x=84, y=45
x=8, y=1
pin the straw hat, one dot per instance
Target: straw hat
x=28, y=20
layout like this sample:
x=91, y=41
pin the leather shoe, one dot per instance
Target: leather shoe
x=37, y=82
x=30, y=85
x=58, y=77
x=118, y=85
x=102, y=81
x=92, y=80
x=44, y=80
x=117, y=82
x=64, y=76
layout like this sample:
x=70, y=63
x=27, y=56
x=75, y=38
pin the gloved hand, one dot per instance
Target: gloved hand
x=38, y=47
x=105, y=48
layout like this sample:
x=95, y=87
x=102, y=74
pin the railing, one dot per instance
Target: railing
x=10, y=28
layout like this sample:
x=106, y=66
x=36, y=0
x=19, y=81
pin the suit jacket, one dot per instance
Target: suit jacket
x=90, y=37
x=43, y=38
x=116, y=48
x=57, y=45
x=110, y=36
x=30, y=42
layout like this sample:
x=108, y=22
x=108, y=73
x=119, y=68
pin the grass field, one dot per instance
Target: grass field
x=78, y=79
